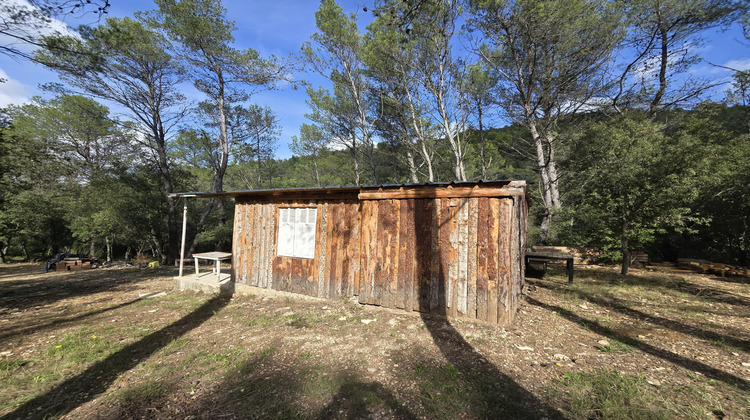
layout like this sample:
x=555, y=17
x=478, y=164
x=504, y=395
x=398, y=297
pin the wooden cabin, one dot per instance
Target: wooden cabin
x=455, y=249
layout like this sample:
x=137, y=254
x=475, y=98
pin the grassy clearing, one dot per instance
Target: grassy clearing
x=608, y=395
x=281, y=358
x=611, y=395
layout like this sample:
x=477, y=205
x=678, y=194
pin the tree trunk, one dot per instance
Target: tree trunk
x=545, y=161
x=356, y=163
x=412, y=166
x=663, y=64
x=109, y=248
x=624, y=249
x=482, y=142
x=92, y=247
x=317, y=171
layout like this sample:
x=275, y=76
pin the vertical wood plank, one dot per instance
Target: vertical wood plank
x=382, y=280
x=452, y=256
x=377, y=252
x=405, y=254
x=320, y=249
x=346, y=278
x=364, y=257
x=423, y=219
x=263, y=243
x=250, y=238
x=436, y=270
x=354, y=248
x=271, y=249
x=471, y=264
x=462, y=288
x=239, y=223
x=333, y=249
x=492, y=258
x=503, y=262
x=447, y=254
x=257, y=244
x=392, y=261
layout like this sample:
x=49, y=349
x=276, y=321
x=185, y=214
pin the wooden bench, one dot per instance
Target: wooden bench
x=544, y=257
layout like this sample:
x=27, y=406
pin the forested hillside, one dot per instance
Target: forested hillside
x=594, y=102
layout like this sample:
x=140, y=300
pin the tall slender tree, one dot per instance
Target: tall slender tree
x=551, y=57
x=336, y=52
x=202, y=38
x=126, y=63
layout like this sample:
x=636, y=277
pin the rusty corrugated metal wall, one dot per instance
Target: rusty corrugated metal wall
x=415, y=250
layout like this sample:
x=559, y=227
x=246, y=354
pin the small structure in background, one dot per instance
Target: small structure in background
x=454, y=249
x=70, y=262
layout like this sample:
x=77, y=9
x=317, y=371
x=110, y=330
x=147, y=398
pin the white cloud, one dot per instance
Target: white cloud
x=53, y=26
x=741, y=64
x=11, y=91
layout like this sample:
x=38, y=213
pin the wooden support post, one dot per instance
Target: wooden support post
x=184, y=226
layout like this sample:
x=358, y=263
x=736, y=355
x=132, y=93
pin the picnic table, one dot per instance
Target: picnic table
x=212, y=256
x=544, y=257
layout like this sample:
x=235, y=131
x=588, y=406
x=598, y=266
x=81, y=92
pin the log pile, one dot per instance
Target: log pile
x=703, y=266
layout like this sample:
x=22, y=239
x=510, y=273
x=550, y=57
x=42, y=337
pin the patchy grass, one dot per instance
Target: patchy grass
x=609, y=395
x=104, y=353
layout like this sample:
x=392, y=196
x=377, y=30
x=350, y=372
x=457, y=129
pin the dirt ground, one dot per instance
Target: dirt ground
x=107, y=343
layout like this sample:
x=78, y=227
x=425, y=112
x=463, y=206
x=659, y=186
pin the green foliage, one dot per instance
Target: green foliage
x=610, y=395
x=635, y=180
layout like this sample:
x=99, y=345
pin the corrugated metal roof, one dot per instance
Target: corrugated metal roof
x=340, y=189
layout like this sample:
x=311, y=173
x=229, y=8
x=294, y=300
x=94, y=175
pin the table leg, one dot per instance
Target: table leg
x=570, y=270
x=218, y=271
x=196, y=266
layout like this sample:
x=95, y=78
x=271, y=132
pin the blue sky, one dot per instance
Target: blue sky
x=280, y=27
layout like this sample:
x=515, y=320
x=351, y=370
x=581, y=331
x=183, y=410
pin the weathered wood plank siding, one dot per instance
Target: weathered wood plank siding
x=331, y=273
x=449, y=251
x=459, y=257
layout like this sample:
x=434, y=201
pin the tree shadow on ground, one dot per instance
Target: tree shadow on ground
x=657, y=320
x=491, y=393
x=693, y=365
x=669, y=282
x=95, y=380
x=12, y=332
x=269, y=386
x=25, y=294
